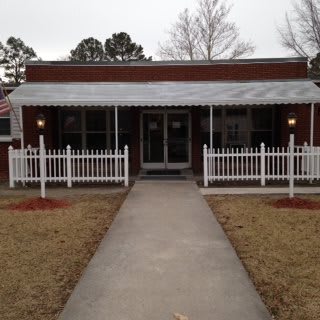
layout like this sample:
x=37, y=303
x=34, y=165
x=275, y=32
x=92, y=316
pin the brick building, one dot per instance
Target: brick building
x=161, y=110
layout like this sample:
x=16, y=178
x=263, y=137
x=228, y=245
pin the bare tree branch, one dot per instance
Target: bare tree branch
x=206, y=34
x=183, y=39
x=300, y=33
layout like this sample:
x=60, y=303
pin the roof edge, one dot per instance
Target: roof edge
x=166, y=63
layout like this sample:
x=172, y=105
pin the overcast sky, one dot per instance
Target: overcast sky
x=53, y=28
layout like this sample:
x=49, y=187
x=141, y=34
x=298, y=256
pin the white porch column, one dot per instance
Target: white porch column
x=23, y=166
x=116, y=127
x=21, y=127
x=211, y=128
x=311, y=140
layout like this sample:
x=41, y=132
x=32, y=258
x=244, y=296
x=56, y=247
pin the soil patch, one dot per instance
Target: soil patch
x=34, y=204
x=297, y=203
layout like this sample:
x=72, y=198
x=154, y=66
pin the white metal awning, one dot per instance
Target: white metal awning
x=159, y=94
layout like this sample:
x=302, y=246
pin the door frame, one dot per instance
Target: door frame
x=165, y=164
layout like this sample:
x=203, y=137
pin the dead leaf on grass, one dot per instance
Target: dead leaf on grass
x=179, y=316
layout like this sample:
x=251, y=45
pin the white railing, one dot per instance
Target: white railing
x=260, y=164
x=68, y=166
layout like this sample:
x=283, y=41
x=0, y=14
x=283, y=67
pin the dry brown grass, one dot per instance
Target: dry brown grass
x=43, y=253
x=280, y=248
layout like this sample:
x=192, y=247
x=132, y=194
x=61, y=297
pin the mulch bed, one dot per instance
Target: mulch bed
x=297, y=203
x=34, y=204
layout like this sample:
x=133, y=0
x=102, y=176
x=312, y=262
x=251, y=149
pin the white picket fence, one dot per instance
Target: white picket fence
x=70, y=166
x=260, y=164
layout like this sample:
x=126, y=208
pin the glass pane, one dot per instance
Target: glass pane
x=5, y=126
x=216, y=120
x=96, y=141
x=236, y=128
x=262, y=119
x=124, y=120
x=178, y=137
x=123, y=140
x=72, y=139
x=205, y=139
x=71, y=121
x=257, y=137
x=153, y=150
x=96, y=120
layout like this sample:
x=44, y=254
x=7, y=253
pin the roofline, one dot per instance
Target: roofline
x=165, y=63
x=45, y=83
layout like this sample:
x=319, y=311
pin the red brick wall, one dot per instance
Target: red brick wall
x=4, y=163
x=31, y=135
x=251, y=71
x=302, y=132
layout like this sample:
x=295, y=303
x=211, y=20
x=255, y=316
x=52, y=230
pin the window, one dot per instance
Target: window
x=71, y=129
x=217, y=127
x=94, y=129
x=124, y=129
x=262, y=123
x=5, y=125
x=238, y=127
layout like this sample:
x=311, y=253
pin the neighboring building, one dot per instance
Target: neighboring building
x=164, y=107
x=5, y=135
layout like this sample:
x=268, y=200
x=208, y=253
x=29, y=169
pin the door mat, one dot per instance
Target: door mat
x=163, y=172
x=163, y=178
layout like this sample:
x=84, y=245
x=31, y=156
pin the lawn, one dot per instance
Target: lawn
x=280, y=248
x=43, y=253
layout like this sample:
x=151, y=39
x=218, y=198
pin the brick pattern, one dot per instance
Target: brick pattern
x=302, y=132
x=31, y=135
x=4, y=163
x=214, y=72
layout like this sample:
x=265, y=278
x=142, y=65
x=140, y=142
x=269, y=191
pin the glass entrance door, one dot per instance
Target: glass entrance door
x=165, y=140
x=153, y=140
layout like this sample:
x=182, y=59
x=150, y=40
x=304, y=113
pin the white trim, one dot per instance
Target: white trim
x=5, y=138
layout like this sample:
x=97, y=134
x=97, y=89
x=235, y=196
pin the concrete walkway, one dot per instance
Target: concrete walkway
x=165, y=253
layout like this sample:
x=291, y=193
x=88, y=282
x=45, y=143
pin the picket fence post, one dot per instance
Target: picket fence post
x=42, y=160
x=11, y=180
x=126, y=166
x=69, y=182
x=263, y=164
x=205, y=165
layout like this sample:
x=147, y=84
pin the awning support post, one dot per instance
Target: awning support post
x=116, y=152
x=311, y=140
x=211, y=128
x=116, y=127
x=23, y=167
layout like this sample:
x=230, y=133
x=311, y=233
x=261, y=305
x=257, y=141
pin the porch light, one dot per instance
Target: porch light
x=292, y=120
x=41, y=121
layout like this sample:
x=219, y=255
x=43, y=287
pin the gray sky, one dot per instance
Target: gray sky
x=53, y=28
